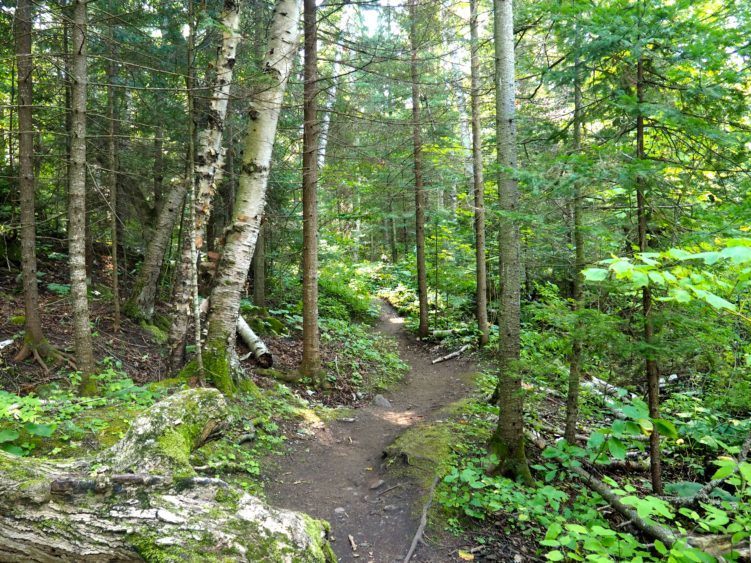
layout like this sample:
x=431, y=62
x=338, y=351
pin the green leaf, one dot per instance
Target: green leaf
x=13, y=449
x=554, y=555
x=8, y=435
x=660, y=547
x=665, y=427
x=596, y=274
x=42, y=430
x=726, y=468
x=737, y=254
x=617, y=448
x=639, y=278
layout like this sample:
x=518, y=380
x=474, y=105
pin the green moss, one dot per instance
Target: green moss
x=131, y=309
x=175, y=445
x=513, y=460
x=217, y=366
x=424, y=450
x=159, y=335
x=319, y=531
x=18, y=320
x=89, y=386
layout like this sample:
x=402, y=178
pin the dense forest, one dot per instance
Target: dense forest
x=375, y=280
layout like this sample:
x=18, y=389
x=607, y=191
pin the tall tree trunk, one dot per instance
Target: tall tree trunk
x=210, y=155
x=311, y=354
x=653, y=375
x=478, y=181
x=422, y=276
x=77, y=200
x=323, y=137
x=507, y=442
x=575, y=358
x=232, y=270
x=185, y=290
x=112, y=177
x=259, y=268
x=204, y=174
x=34, y=340
x=158, y=170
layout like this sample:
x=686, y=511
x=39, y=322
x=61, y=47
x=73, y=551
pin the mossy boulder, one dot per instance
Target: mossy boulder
x=141, y=500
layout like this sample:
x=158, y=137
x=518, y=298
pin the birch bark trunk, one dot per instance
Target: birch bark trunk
x=507, y=442
x=234, y=263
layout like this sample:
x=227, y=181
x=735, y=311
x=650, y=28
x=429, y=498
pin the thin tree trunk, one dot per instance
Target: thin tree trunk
x=34, y=340
x=140, y=304
x=259, y=268
x=311, y=353
x=112, y=176
x=478, y=181
x=422, y=276
x=653, y=375
x=210, y=155
x=575, y=358
x=77, y=201
x=234, y=264
x=507, y=442
x=185, y=291
x=158, y=170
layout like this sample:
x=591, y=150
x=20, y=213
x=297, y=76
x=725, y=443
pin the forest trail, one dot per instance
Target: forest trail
x=330, y=474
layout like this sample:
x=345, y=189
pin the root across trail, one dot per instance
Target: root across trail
x=337, y=474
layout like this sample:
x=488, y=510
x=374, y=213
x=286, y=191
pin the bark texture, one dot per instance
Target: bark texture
x=478, y=182
x=311, y=353
x=577, y=293
x=422, y=275
x=507, y=442
x=250, y=199
x=141, y=500
x=112, y=180
x=77, y=197
x=34, y=340
x=210, y=155
x=650, y=364
x=140, y=304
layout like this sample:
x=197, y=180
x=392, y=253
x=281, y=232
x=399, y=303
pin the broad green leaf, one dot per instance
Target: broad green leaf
x=617, y=448
x=596, y=274
x=554, y=555
x=665, y=427
x=42, y=430
x=726, y=468
x=8, y=435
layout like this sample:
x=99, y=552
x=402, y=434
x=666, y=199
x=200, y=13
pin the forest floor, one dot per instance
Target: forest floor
x=338, y=473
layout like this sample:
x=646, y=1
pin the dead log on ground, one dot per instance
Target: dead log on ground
x=141, y=500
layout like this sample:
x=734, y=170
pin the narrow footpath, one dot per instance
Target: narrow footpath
x=337, y=474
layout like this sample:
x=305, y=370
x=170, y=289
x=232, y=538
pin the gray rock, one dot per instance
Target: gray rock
x=381, y=401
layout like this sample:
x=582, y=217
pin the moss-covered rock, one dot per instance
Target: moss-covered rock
x=161, y=439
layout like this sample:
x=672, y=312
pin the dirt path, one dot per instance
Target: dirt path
x=330, y=474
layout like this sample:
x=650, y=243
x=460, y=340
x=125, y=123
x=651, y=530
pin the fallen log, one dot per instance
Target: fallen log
x=141, y=500
x=452, y=355
x=702, y=495
x=665, y=535
x=254, y=343
x=257, y=348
